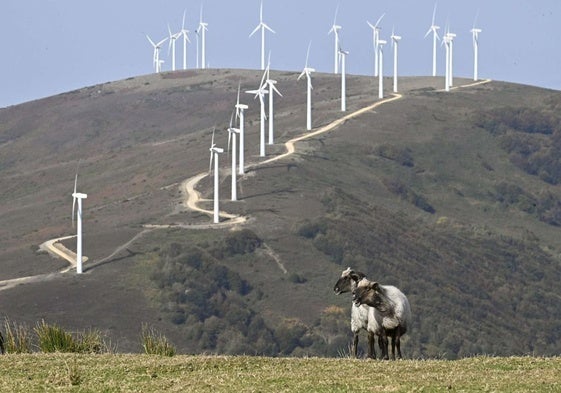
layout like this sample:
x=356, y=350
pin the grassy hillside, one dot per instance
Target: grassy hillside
x=434, y=193
x=128, y=373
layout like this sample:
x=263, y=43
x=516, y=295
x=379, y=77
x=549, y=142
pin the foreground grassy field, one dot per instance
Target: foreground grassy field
x=143, y=373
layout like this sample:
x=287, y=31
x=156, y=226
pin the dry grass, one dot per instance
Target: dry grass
x=124, y=373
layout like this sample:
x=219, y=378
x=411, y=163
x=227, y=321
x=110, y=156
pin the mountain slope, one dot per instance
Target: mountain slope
x=414, y=193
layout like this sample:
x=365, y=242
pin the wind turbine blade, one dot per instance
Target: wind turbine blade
x=255, y=30
x=276, y=90
x=261, y=12
x=150, y=39
x=428, y=32
x=308, y=54
x=268, y=28
x=336, y=13
x=379, y=20
x=201, y=15
x=434, y=14
x=183, y=22
x=371, y=25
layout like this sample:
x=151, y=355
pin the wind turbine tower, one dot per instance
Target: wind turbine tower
x=343, y=56
x=76, y=196
x=263, y=26
x=240, y=108
x=434, y=29
x=446, y=41
x=335, y=30
x=475, y=34
x=308, y=72
x=451, y=37
x=232, y=136
x=395, y=41
x=202, y=29
x=214, y=152
x=375, y=41
x=185, y=33
x=261, y=92
x=172, y=39
x=381, y=44
x=272, y=90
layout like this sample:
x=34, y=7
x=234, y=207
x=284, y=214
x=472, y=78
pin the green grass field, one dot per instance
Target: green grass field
x=143, y=373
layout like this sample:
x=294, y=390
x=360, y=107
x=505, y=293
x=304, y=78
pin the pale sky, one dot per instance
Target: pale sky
x=54, y=46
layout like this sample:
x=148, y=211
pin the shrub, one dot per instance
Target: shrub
x=155, y=343
x=53, y=338
x=18, y=339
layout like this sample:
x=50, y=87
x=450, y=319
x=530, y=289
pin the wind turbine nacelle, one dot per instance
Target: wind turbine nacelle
x=476, y=30
x=396, y=37
x=382, y=42
x=79, y=195
x=241, y=106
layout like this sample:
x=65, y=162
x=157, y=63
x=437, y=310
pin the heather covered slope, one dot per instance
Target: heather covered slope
x=440, y=194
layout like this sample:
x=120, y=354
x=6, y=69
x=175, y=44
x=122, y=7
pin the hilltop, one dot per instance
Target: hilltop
x=452, y=197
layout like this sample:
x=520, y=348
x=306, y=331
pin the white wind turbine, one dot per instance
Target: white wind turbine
x=78, y=196
x=260, y=92
x=272, y=90
x=343, y=56
x=214, y=152
x=232, y=136
x=185, y=34
x=263, y=26
x=395, y=41
x=156, y=57
x=375, y=40
x=201, y=30
x=381, y=44
x=308, y=72
x=172, y=40
x=335, y=30
x=240, y=108
x=475, y=36
x=433, y=28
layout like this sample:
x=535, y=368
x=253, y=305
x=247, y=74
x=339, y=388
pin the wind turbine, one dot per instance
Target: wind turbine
x=272, y=90
x=201, y=30
x=343, y=56
x=335, y=30
x=78, y=196
x=381, y=44
x=260, y=92
x=475, y=36
x=375, y=40
x=433, y=28
x=240, y=108
x=156, y=57
x=185, y=33
x=214, y=152
x=395, y=41
x=232, y=136
x=308, y=72
x=172, y=39
x=263, y=26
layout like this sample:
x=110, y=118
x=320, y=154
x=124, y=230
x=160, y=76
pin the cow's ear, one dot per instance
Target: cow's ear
x=375, y=286
x=355, y=276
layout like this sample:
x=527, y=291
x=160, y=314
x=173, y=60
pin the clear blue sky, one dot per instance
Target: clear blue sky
x=53, y=46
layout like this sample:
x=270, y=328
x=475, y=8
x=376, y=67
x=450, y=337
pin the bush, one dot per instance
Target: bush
x=53, y=338
x=18, y=339
x=155, y=343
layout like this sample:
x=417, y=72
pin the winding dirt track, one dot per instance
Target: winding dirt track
x=191, y=199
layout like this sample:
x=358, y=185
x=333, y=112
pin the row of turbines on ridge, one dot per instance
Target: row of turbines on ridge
x=268, y=87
